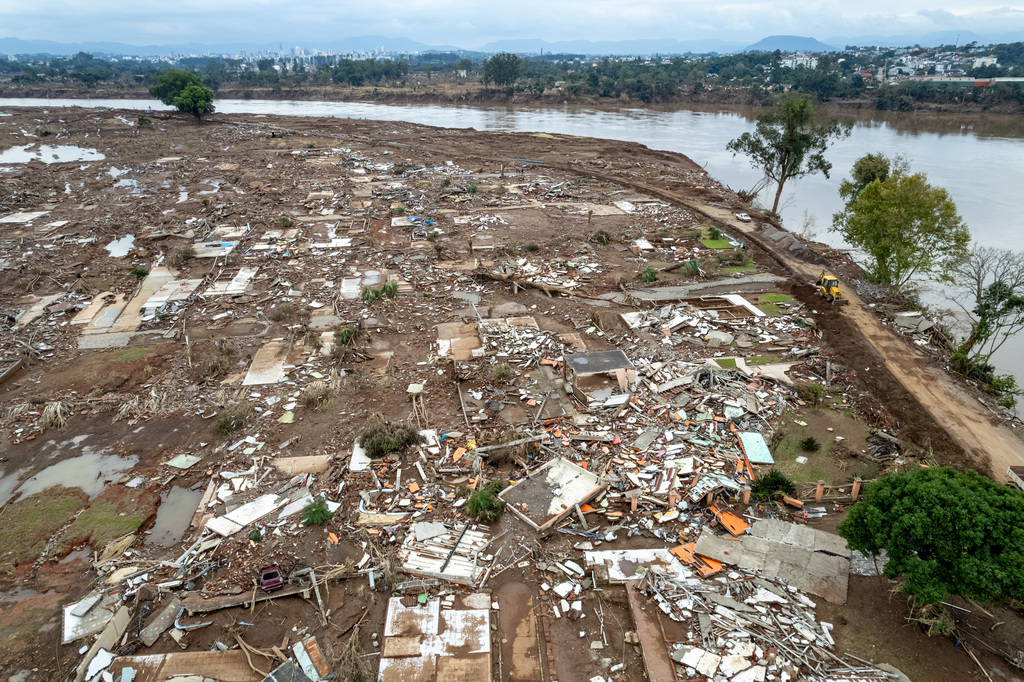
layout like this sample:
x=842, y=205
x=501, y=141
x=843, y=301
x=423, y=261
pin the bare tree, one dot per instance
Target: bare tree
x=991, y=286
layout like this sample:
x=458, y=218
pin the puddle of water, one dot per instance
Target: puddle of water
x=91, y=472
x=84, y=554
x=8, y=482
x=49, y=154
x=173, y=515
x=120, y=247
x=213, y=183
x=22, y=594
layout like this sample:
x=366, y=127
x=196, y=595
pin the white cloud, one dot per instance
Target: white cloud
x=470, y=23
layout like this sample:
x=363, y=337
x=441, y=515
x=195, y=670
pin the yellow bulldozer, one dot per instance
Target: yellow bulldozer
x=828, y=288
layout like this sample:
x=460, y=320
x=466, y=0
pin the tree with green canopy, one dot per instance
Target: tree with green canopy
x=906, y=226
x=502, y=69
x=172, y=83
x=787, y=143
x=945, y=532
x=195, y=100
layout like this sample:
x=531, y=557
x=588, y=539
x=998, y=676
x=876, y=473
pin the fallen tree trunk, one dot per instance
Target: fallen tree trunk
x=526, y=284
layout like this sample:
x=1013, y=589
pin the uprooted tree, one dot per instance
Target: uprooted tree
x=906, y=226
x=945, y=533
x=787, y=143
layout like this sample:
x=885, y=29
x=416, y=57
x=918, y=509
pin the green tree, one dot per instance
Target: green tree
x=172, y=83
x=502, y=69
x=906, y=226
x=195, y=100
x=945, y=532
x=786, y=144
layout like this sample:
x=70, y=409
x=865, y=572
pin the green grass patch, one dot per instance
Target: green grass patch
x=770, y=309
x=727, y=363
x=29, y=523
x=716, y=243
x=776, y=298
x=762, y=360
x=132, y=354
x=100, y=524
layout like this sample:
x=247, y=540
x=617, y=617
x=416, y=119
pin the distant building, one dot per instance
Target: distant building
x=806, y=61
x=985, y=61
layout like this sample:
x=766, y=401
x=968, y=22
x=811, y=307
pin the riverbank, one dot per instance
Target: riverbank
x=475, y=94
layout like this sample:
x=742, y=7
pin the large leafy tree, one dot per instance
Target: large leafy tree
x=787, y=143
x=502, y=69
x=172, y=83
x=195, y=100
x=989, y=285
x=906, y=226
x=945, y=532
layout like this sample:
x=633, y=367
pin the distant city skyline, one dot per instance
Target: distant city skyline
x=470, y=25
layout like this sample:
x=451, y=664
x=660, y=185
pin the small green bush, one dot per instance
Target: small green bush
x=485, y=505
x=380, y=438
x=370, y=295
x=139, y=273
x=471, y=188
x=649, y=275
x=285, y=312
x=390, y=289
x=285, y=221
x=446, y=182
x=810, y=444
x=772, y=485
x=601, y=237
x=227, y=424
x=503, y=373
x=714, y=233
x=433, y=237
x=399, y=211
x=532, y=247
x=344, y=336
x=256, y=536
x=693, y=268
x=316, y=513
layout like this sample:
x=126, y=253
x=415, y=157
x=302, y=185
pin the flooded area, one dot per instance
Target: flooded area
x=120, y=248
x=173, y=516
x=92, y=472
x=49, y=154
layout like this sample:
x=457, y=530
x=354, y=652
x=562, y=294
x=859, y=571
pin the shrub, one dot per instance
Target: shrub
x=772, y=485
x=502, y=373
x=714, y=233
x=532, y=247
x=370, y=295
x=256, y=536
x=211, y=360
x=139, y=273
x=399, y=211
x=227, y=424
x=316, y=394
x=433, y=237
x=810, y=444
x=285, y=221
x=381, y=437
x=601, y=237
x=649, y=275
x=285, y=312
x=344, y=336
x=312, y=340
x=390, y=289
x=181, y=256
x=693, y=268
x=484, y=504
x=810, y=393
x=446, y=182
x=316, y=513
x=471, y=188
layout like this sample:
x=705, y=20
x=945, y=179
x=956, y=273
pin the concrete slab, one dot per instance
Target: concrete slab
x=550, y=492
x=811, y=560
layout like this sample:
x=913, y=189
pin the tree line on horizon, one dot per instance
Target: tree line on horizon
x=759, y=78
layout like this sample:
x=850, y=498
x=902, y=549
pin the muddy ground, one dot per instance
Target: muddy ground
x=175, y=384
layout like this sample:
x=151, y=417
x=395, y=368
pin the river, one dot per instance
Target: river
x=979, y=159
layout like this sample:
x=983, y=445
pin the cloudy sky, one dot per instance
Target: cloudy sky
x=471, y=23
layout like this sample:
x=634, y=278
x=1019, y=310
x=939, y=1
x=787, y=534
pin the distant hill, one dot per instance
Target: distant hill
x=353, y=44
x=664, y=46
x=789, y=44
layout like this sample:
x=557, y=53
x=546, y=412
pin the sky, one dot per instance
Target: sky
x=472, y=23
